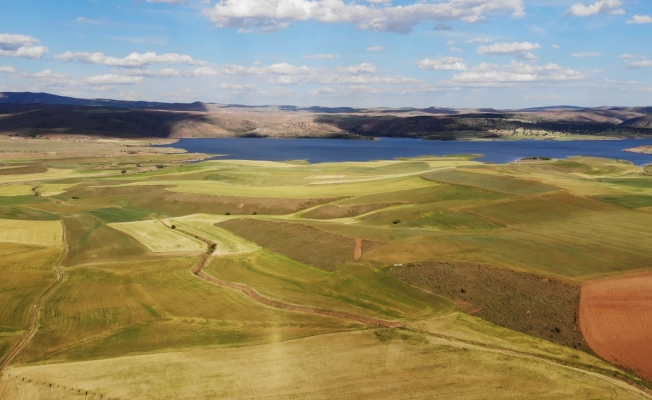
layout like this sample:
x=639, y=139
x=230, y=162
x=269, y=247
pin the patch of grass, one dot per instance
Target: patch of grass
x=497, y=183
x=25, y=273
x=159, y=238
x=300, y=242
x=627, y=200
x=330, y=211
x=18, y=200
x=114, y=308
x=121, y=214
x=355, y=288
x=90, y=240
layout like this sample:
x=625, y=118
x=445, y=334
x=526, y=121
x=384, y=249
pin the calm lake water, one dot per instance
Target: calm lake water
x=333, y=150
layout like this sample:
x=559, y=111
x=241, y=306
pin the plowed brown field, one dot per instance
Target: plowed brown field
x=615, y=317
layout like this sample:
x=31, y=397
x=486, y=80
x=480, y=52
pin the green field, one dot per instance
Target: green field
x=465, y=261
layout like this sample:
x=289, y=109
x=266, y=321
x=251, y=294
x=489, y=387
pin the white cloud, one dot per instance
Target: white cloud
x=587, y=54
x=20, y=46
x=8, y=70
x=273, y=15
x=640, y=19
x=373, y=49
x=455, y=49
x=555, y=46
x=322, y=56
x=162, y=73
x=113, y=79
x=517, y=49
x=204, y=71
x=478, y=40
x=608, y=7
x=132, y=60
x=443, y=64
x=516, y=72
x=641, y=64
x=626, y=56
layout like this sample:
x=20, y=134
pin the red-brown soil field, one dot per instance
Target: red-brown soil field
x=615, y=317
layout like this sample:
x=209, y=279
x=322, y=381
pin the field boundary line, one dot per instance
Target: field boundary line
x=36, y=307
x=252, y=293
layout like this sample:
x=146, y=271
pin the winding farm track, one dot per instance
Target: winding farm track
x=596, y=372
x=253, y=294
x=615, y=316
x=36, y=308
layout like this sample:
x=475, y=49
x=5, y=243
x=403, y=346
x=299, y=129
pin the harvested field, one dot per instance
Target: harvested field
x=21, y=169
x=430, y=194
x=528, y=303
x=502, y=184
x=154, y=304
x=157, y=237
x=379, y=364
x=359, y=289
x=25, y=273
x=90, y=240
x=300, y=242
x=204, y=226
x=158, y=199
x=615, y=316
x=330, y=211
x=38, y=233
x=16, y=190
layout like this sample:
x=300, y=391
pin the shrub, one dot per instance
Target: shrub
x=396, y=221
x=173, y=227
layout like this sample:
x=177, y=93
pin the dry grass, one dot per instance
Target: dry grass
x=159, y=238
x=300, y=242
x=384, y=364
x=38, y=233
x=16, y=190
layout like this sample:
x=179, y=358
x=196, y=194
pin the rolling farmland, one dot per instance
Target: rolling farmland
x=288, y=279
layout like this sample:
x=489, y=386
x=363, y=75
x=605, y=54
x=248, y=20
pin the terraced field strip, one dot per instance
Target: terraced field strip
x=615, y=316
x=253, y=294
x=36, y=307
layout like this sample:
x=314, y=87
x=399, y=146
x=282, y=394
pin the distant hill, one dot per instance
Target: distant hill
x=52, y=99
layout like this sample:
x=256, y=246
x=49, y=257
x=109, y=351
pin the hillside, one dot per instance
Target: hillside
x=42, y=114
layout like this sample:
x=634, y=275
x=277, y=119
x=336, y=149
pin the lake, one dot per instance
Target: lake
x=334, y=150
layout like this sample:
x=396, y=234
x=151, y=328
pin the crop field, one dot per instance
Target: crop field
x=37, y=233
x=431, y=277
x=157, y=237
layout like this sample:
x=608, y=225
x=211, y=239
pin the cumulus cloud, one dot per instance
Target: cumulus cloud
x=130, y=61
x=374, y=49
x=587, y=54
x=114, y=79
x=443, y=64
x=487, y=74
x=607, y=7
x=517, y=49
x=273, y=15
x=640, y=64
x=640, y=19
x=555, y=46
x=8, y=70
x=626, y=56
x=322, y=56
x=20, y=46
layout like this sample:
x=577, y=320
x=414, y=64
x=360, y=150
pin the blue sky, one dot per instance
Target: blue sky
x=393, y=53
